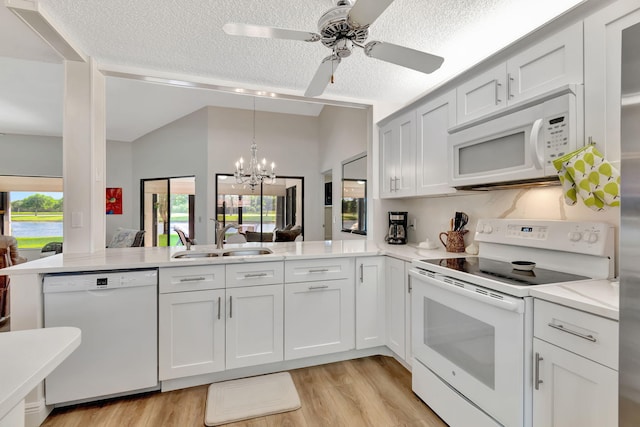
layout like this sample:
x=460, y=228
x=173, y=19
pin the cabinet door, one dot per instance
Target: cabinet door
x=405, y=179
x=602, y=74
x=387, y=159
x=573, y=391
x=396, y=285
x=552, y=63
x=254, y=325
x=482, y=95
x=433, y=121
x=370, y=302
x=319, y=318
x=191, y=333
x=398, y=156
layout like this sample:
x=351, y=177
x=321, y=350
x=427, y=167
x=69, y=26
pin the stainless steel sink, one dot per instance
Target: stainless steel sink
x=247, y=252
x=194, y=254
x=223, y=252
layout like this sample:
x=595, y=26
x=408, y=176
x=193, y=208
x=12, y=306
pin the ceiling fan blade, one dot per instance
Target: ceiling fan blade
x=323, y=75
x=249, y=30
x=364, y=12
x=404, y=56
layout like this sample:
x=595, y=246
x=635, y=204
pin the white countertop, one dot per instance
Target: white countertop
x=28, y=357
x=600, y=297
x=127, y=258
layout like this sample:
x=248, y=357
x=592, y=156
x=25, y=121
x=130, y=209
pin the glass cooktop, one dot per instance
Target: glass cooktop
x=504, y=272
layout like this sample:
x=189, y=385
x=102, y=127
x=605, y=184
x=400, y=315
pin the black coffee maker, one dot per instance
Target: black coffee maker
x=397, y=234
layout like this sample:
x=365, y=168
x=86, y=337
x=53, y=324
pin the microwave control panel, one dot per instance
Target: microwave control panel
x=556, y=137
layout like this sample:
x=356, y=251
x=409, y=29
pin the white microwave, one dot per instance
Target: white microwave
x=519, y=146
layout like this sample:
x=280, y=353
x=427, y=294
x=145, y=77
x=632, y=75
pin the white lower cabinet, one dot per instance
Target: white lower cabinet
x=191, y=333
x=575, y=361
x=254, y=325
x=370, y=302
x=572, y=390
x=319, y=318
x=396, y=296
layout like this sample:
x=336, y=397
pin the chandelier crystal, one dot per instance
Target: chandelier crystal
x=256, y=172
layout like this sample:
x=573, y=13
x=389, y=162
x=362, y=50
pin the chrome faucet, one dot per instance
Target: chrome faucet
x=220, y=231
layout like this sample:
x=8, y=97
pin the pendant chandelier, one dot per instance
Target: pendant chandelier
x=256, y=172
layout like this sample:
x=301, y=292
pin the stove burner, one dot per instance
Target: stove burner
x=504, y=272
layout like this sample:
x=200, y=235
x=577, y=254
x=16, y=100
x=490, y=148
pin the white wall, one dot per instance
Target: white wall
x=292, y=142
x=176, y=149
x=119, y=174
x=343, y=134
x=30, y=155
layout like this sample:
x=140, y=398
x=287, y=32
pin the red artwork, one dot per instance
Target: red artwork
x=114, y=201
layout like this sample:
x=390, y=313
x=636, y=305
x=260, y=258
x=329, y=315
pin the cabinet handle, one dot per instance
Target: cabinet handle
x=318, y=287
x=409, y=287
x=361, y=273
x=192, y=279
x=391, y=181
x=230, y=306
x=395, y=186
x=537, y=380
x=510, y=79
x=219, y=298
x=319, y=270
x=249, y=275
x=569, y=331
x=498, y=100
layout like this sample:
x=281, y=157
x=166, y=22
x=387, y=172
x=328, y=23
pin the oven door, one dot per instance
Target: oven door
x=473, y=339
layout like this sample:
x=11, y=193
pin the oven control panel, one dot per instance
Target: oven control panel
x=594, y=238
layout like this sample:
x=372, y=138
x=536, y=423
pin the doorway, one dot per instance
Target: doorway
x=328, y=204
x=167, y=203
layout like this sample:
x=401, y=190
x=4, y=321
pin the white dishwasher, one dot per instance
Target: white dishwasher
x=117, y=313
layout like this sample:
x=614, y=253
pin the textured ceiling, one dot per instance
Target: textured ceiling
x=185, y=39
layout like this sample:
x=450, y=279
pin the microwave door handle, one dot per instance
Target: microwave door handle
x=536, y=141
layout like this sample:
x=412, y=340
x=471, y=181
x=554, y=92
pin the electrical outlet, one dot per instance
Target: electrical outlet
x=414, y=224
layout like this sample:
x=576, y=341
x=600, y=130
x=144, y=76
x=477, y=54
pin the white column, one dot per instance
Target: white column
x=84, y=157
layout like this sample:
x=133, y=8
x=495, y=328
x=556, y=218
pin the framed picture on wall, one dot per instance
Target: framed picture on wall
x=114, y=201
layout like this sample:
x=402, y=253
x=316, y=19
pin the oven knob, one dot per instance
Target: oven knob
x=487, y=229
x=575, y=236
x=591, y=237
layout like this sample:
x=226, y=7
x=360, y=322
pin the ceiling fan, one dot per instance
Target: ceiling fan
x=340, y=29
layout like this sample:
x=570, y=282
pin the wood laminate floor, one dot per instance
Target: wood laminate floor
x=372, y=391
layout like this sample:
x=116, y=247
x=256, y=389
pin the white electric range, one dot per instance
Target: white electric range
x=472, y=317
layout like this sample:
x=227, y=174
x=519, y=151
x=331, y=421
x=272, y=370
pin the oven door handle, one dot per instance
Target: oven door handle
x=505, y=304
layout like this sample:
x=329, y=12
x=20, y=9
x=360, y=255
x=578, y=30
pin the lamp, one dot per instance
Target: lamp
x=257, y=171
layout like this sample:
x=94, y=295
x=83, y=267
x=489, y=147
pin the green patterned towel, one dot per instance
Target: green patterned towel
x=586, y=173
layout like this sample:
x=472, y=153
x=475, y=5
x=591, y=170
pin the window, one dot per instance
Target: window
x=268, y=207
x=354, y=195
x=31, y=210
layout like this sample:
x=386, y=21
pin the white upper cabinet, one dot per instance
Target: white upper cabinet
x=398, y=156
x=550, y=64
x=433, y=121
x=602, y=74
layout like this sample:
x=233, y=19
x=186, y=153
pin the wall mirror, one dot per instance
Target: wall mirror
x=354, y=195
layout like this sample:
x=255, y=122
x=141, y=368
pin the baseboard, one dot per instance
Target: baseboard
x=196, y=380
x=35, y=413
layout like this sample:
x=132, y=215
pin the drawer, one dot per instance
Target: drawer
x=252, y=274
x=196, y=278
x=590, y=336
x=312, y=270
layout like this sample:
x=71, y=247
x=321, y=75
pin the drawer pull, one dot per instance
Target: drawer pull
x=249, y=275
x=569, y=331
x=219, y=308
x=192, y=279
x=318, y=287
x=319, y=270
